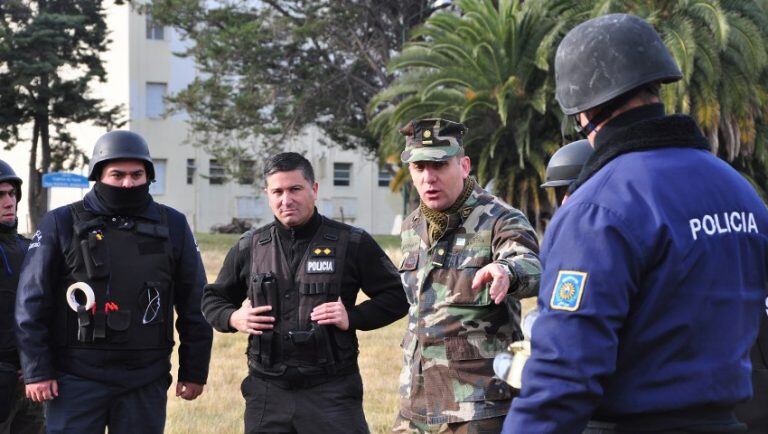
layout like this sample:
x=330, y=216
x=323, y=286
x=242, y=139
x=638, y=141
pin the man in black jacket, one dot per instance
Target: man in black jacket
x=291, y=286
x=17, y=414
x=95, y=302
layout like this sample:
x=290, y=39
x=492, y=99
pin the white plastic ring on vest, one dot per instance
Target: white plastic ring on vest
x=90, y=298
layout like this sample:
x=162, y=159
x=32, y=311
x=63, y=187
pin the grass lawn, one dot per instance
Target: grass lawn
x=220, y=408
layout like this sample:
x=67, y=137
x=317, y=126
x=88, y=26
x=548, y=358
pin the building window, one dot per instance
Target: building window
x=342, y=174
x=155, y=30
x=246, y=172
x=385, y=176
x=158, y=187
x=216, y=173
x=191, y=169
x=156, y=99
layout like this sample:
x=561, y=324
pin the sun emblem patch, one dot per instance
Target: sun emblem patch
x=569, y=287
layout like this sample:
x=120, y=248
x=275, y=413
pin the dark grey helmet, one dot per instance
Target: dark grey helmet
x=8, y=175
x=605, y=57
x=120, y=145
x=564, y=166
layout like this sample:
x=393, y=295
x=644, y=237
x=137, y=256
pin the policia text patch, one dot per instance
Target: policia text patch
x=317, y=265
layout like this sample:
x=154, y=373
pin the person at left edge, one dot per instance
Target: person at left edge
x=18, y=415
x=108, y=365
x=299, y=277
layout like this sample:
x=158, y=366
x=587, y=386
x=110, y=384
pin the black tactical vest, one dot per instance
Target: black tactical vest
x=295, y=340
x=13, y=247
x=128, y=261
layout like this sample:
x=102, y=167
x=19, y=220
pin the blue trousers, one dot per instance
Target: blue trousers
x=89, y=407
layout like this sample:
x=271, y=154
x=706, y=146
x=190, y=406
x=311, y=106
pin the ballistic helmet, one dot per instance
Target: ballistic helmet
x=564, y=166
x=8, y=175
x=605, y=57
x=120, y=145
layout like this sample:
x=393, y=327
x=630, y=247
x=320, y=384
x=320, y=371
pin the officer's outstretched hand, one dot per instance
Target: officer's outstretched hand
x=499, y=278
x=42, y=390
x=188, y=391
x=251, y=320
x=332, y=312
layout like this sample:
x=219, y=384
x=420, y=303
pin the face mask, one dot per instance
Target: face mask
x=123, y=201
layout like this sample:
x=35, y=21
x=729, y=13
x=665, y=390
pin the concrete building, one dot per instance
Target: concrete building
x=142, y=70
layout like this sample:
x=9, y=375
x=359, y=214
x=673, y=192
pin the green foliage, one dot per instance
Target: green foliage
x=49, y=57
x=489, y=66
x=271, y=68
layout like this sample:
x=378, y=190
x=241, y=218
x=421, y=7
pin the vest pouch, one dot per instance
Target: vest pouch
x=118, y=322
x=95, y=256
x=153, y=321
x=312, y=295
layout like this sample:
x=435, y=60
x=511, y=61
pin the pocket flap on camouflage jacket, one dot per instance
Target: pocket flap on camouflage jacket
x=472, y=347
x=476, y=258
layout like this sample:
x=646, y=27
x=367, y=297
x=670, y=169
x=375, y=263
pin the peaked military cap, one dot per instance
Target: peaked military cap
x=431, y=140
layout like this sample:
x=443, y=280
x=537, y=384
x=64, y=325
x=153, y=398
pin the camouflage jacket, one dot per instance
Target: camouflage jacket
x=454, y=332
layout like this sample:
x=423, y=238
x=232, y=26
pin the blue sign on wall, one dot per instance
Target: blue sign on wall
x=62, y=179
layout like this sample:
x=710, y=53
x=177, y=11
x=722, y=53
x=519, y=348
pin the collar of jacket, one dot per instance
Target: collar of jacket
x=305, y=231
x=94, y=205
x=640, y=129
x=478, y=197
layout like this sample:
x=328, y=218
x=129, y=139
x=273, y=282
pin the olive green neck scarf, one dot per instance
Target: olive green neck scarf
x=437, y=221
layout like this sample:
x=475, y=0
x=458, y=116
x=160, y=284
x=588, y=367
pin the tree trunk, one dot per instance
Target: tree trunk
x=38, y=201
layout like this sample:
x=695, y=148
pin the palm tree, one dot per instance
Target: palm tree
x=488, y=68
x=722, y=49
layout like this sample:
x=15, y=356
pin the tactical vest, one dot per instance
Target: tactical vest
x=295, y=340
x=128, y=262
x=12, y=250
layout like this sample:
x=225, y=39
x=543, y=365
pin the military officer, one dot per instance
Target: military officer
x=299, y=277
x=96, y=297
x=641, y=328
x=17, y=414
x=468, y=260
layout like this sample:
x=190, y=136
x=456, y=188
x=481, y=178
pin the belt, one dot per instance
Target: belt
x=293, y=379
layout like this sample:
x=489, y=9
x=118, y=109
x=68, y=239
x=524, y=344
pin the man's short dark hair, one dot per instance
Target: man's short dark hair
x=286, y=162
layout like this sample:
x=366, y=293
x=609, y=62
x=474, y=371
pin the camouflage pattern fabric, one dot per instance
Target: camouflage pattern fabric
x=454, y=332
x=431, y=140
x=483, y=426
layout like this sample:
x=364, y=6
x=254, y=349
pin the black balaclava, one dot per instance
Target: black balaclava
x=123, y=201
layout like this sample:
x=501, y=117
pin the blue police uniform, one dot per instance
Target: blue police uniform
x=93, y=376
x=654, y=275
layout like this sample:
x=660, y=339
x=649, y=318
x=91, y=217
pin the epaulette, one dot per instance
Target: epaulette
x=245, y=239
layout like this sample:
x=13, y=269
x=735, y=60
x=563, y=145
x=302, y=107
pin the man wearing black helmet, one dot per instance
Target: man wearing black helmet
x=95, y=302
x=564, y=167
x=17, y=414
x=655, y=267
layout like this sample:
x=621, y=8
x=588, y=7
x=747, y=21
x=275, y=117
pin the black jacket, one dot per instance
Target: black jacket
x=12, y=250
x=367, y=267
x=41, y=276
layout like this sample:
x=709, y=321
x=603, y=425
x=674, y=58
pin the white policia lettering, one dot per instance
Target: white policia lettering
x=317, y=266
x=724, y=223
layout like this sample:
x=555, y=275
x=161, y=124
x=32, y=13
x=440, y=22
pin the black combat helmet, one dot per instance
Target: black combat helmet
x=605, y=57
x=120, y=145
x=564, y=166
x=8, y=175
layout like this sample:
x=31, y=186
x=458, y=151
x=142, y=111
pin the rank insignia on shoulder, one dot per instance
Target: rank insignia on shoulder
x=323, y=252
x=569, y=287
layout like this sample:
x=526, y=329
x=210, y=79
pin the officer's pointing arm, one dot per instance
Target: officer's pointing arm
x=515, y=246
